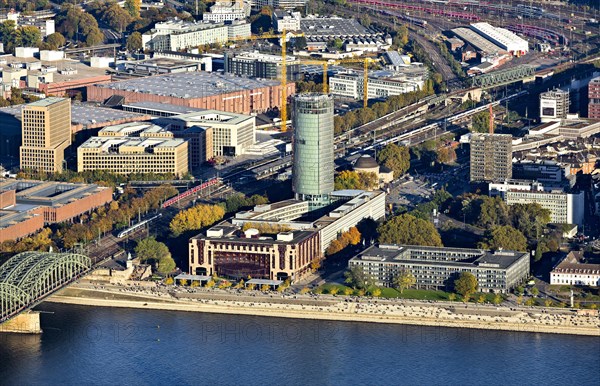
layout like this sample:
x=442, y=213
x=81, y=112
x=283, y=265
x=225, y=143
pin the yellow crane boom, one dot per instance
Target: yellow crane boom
x=326, y=63
x=282, y=36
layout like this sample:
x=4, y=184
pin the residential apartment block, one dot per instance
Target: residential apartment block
x=491, y=157
x=46, y=128
x=594, y=98
x=438, y=267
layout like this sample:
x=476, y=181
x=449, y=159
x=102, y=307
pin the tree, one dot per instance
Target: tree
x=166, y=265
x=133, y=7
x=481, y=122
x=118, y=18
x=368, y=180
x=28, y=36
x=265, y=288
x=410, y=230
x=150, y=250
x=534, y=291
x=530, y=219
x=333, y=290
x=169, y=281
x=347, y=179
x=300, y=43
x=452, y=297
x=504, y=237
x=404, y=280
x=134, y=42
x=481, y=299
x=358, y=278
x=497, y=299
x=530, y=302
x=396, y=158
x=466, y=285
x=55, y=41
x=196, y=218
x=376, y=292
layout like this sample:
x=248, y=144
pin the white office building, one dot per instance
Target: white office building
x=174, y=35
x=224, y=11
x=352, y=86
x=565, y=208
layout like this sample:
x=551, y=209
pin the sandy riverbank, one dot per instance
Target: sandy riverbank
x=337, y=309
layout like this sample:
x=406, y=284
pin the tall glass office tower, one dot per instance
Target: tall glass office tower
x=313, y=148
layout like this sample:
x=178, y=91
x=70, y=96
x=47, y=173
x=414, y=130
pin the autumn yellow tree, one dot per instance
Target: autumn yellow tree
x=196, y=218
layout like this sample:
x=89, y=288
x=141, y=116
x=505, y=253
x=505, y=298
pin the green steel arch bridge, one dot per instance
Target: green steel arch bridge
x=28, y=277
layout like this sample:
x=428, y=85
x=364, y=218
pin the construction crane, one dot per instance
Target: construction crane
x=283, y=41
x=326, y=63
x=491, y=123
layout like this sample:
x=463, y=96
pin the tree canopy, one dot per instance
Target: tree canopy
x=410, y=230
x=154, y=252
x=134, y=42
x=196, y=218
x=357, y=278
x=349, y=179
x=404, y=280
x=466, y=285
x=350, y=237
x=396, y=158
x=504, y=237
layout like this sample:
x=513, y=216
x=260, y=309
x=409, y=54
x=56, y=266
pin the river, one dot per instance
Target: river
x=105, y=346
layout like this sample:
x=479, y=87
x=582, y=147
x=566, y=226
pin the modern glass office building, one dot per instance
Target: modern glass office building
x=313, y=168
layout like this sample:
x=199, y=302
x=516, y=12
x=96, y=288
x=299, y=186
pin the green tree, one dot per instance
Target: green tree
x=404, y=280
x=166, y=265
x=534, y=291
x=504, y=237
x=347, y=179
x=410, y=230
x=151, y=250
x=28, y=36
x=55, y=41
x=118, y=18
x=134, y=42
x=530, y=219
x=497, y=299
x=396, y=158
x=133, y=7
x=481, y=122
x=466, y=285
x=357, y=278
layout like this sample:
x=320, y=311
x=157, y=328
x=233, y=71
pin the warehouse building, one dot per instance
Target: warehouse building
x=502, y=37
x=223, y=92
x=26, y=206
x=437, y=267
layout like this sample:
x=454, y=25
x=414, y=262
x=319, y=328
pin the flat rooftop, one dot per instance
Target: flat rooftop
x=158, y=107
x=108, y=144
x=209, y=117
x=440, y=256
x=87, y=115
x=49, y=101
x=189, y=85
x=477, y=41
x=48, y=193
x=334, y=26
x=83, y=69
x=11, y=216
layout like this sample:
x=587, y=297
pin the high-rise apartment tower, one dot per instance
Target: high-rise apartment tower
x=491, y=157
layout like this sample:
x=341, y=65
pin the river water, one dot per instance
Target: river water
x=105, y=346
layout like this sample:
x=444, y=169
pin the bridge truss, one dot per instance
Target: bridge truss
x=502, y=77
x=28, y=277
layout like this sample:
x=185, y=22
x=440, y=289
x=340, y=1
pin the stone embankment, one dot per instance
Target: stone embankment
x=326, y=307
